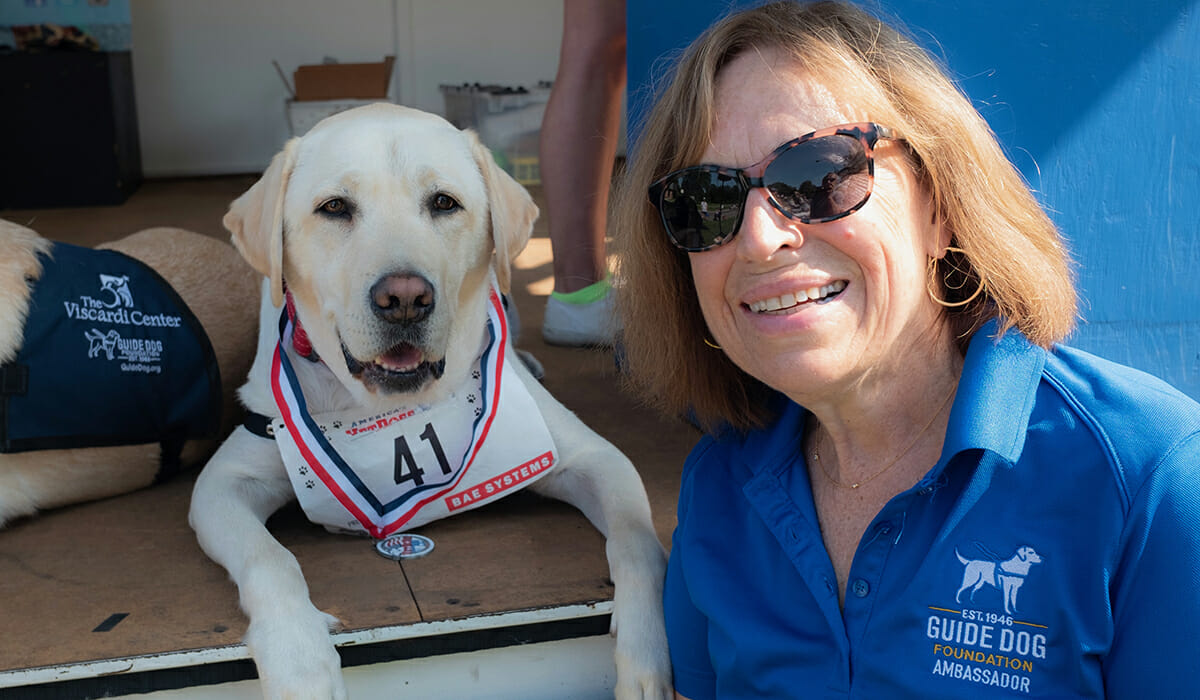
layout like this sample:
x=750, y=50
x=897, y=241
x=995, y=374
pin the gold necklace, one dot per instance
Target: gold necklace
x=894, y=462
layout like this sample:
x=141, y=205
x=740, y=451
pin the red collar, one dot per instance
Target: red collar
x=300, y=340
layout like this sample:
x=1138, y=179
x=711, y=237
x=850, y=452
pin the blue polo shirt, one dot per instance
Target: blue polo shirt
x=1053, y=550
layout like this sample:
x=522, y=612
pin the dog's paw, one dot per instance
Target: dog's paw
x=643, y=664
x=295, y=657
x=643, y=673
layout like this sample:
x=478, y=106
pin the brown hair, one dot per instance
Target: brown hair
x=1007, y=242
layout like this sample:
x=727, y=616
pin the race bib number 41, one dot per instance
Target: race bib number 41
x=390, y=472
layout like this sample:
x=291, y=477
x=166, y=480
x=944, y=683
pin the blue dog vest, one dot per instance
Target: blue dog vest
x=111, y=356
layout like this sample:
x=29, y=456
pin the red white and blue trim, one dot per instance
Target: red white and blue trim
x=379, y=516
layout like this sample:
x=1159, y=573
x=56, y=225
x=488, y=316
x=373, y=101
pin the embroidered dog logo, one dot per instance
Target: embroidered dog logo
x=1005, y=575
x=97, y=342
x=119, y=288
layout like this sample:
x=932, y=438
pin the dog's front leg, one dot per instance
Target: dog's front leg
x=597, y=479
x=602, y=483
x=288, y=637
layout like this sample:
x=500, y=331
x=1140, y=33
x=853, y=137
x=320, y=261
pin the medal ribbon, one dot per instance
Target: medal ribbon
x=380, y=519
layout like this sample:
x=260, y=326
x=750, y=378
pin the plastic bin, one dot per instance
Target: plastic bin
x=507, y=119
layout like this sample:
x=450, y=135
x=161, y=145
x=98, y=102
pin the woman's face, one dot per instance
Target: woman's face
x=882, y=321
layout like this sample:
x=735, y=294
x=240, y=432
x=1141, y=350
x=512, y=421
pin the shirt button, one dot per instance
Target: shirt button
x=829, y=585
x=861, y=588
x=792, y=534
x=885, y=528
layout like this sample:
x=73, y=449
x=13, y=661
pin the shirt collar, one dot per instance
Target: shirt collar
x=778, y=443
x=996, y=393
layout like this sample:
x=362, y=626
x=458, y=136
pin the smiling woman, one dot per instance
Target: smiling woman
x=895, y=438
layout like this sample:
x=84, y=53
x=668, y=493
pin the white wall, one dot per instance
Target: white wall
x=210, y=102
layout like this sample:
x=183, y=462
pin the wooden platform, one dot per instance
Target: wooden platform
x=115, y=597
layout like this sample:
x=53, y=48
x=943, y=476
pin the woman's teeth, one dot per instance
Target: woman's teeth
x=798, y=297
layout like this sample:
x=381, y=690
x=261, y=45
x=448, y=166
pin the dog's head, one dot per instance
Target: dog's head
x=1027, y=553
x=382, y=223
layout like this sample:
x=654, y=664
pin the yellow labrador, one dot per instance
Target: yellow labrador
x=384, y=236
x=65, y=439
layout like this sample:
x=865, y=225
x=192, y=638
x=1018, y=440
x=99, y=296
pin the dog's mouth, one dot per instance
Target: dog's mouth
x=402, y=368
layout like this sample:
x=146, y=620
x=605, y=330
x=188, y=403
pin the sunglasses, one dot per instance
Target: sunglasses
x=818, y=177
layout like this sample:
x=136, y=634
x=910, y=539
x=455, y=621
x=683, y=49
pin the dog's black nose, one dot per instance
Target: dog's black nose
x=402, y=298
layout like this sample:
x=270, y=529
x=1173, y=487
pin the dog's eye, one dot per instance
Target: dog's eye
x=443, y=202
x=335, y=207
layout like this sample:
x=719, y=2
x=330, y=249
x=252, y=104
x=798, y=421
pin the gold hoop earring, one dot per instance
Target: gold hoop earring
x=931, y=281
x=712, y=345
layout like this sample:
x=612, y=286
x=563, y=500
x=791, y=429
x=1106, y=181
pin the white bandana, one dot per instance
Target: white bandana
x=395, y=471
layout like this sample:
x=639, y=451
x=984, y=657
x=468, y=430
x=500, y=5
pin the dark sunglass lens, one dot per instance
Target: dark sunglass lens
x=700, y=208
x=820, y=179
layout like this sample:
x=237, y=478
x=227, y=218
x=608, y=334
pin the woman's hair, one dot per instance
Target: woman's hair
x=1007, y=242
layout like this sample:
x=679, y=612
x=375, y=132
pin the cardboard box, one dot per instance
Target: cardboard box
x=344, y=81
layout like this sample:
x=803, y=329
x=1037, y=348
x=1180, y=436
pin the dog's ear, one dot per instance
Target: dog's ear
x=512, y=209
x=256, y=220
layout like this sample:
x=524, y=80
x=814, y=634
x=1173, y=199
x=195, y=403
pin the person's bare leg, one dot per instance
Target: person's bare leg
x=579, y=139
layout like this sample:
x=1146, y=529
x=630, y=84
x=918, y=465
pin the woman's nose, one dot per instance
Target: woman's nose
x=765, y=230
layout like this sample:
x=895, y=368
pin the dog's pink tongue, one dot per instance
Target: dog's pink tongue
x=401, y=358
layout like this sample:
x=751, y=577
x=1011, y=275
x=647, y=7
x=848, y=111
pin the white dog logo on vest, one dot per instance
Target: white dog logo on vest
x=119, y=288
x=1005, y=575
x=101, y=342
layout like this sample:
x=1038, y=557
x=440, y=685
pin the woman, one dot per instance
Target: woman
x=907, y=489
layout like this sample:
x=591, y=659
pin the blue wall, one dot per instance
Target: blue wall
x=1098, y=103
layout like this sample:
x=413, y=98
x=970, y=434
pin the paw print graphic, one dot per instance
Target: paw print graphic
x=475, y=374
x=309, y=484
x=470, y=398
x=478, y=411
x=337, y=425
x=303, y=470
